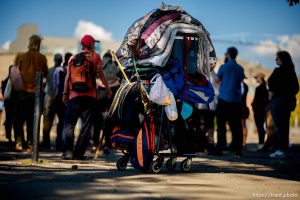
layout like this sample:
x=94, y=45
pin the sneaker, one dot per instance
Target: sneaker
x=260, y=146
x=18, y=147
x=29, y=149
x=68, y=155
x=106, y=151
x=94, y=149
x=277, y=154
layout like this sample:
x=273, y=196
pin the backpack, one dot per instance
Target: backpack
x=122, y=139
x=82, y=73
x=142, y=152
x=110, y=70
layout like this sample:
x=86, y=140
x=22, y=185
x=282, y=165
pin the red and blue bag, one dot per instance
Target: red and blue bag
x=142, y=152
x=122, y=139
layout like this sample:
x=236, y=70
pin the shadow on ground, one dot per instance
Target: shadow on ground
x=101, y=180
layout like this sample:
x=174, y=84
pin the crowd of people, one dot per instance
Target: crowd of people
x=59, y=99
x=68, y=99
x=272, y=105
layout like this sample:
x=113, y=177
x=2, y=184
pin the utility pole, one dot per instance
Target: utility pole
x=37, y=116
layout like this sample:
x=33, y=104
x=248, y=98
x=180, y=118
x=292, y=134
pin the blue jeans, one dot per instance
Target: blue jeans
x=280, y=111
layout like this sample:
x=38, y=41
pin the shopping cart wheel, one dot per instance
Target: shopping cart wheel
x=160, y=159
x=186, y=165
x=156, y=166
x=171, y=164
x=122, y=163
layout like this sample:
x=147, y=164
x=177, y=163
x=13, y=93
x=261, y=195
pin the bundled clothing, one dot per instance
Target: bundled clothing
x=150, y=39
x=178, y=45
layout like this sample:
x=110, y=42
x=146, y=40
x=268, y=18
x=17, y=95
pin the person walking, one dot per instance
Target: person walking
x=110, y=70
x=80, y=97
x=29, y=64
x=229, y=108
x=259, y=106
x=58, y=82
x=16, y=83
x=283, y=87
x=49, y=103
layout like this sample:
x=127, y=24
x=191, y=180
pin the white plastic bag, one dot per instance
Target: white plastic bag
x=1, y=105
x=8, y=90
x=171, y=110
x=159, y=93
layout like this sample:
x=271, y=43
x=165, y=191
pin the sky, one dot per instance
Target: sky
x=258, y=28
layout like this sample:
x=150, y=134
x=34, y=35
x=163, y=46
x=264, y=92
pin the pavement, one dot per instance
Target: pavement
x=252, y=176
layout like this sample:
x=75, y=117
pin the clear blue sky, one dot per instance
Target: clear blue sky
x=247, y=20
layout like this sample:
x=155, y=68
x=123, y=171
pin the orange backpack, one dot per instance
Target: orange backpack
x=82, y=73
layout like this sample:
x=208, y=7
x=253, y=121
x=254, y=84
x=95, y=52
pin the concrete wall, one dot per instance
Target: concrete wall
x=23, y=35
x=59, y=45
x=52, y=44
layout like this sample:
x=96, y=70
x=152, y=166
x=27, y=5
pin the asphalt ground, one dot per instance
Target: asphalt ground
x=252, y=176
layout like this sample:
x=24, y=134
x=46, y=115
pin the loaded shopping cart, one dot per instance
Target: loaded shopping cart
x=165, y=60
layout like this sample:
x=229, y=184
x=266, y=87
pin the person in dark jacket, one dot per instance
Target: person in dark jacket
x=259, y=106
x=283, y=87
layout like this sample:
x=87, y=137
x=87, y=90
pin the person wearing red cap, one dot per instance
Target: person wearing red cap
x=88, y=40
x=81, y=104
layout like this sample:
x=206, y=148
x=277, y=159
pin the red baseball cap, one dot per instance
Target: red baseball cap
x=87, y=40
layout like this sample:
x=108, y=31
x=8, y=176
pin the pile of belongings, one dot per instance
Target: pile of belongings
x=171, y=40
x=169, y=55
